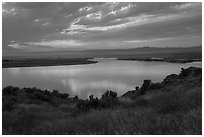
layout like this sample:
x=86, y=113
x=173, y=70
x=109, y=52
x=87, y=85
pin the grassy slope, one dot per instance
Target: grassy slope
x=173, y=109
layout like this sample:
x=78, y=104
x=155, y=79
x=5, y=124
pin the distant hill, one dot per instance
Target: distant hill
x=192, y=52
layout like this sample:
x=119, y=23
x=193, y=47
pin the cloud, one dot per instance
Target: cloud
x=127, y=7
x=45, y=24
x=15, y=45
x=78, y=24
x=56, y=43
x=187, y=6
x=6, y=12
x=150, y=40
x=144, y=26
x=127, y=22
x=36, y=20
x=177, y=41
x=82, y=24
x=86, y=8
x=96, y=15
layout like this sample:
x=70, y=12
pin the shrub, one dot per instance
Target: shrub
x=75, y=98
x=144, y=86
x=10, y=90
x=108, y=99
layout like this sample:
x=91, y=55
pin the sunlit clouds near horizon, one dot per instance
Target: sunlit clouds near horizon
x=84, y=26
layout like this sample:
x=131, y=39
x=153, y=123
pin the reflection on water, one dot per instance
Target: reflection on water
x=82, y=80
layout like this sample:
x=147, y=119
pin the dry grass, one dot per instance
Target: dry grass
x=163, y=114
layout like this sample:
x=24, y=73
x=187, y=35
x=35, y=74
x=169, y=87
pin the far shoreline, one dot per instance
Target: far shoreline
x=172, y=60
x=13, y=63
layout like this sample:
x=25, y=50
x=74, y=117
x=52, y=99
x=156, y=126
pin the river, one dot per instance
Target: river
x=82, y=80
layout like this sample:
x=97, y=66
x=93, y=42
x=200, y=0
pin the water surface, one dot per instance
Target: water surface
x=82, y=80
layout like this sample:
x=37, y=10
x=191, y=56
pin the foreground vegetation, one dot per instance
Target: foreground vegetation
x=173, y=106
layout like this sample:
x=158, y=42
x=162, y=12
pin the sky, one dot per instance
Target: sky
x=43, y=26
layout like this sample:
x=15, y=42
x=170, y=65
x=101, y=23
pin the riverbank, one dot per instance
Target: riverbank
x=9, y=63
x=173, y=60
x=173, y=106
